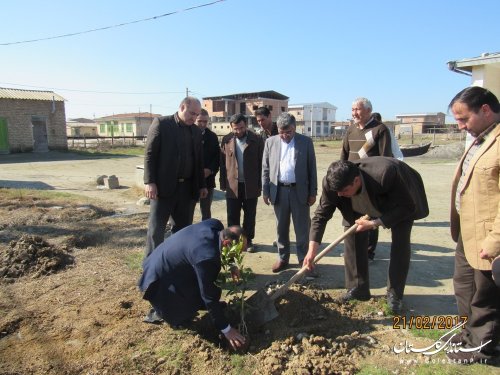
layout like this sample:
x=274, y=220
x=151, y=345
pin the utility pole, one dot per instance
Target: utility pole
x=187, y=92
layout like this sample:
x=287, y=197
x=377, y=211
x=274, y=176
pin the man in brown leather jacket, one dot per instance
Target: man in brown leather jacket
x=240, y=174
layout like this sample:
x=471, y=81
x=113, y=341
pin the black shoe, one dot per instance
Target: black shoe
x=152, y=317
x=356, y=294
x=251, y=248
x=394, y=303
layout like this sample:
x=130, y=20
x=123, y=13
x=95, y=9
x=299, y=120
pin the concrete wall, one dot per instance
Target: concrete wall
x=18, y=114
x=487, y=76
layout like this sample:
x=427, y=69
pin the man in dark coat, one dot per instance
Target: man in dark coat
x=211, y=160
x=265, y=120
x=173, y=171
x=384, y=188
x=179, y=276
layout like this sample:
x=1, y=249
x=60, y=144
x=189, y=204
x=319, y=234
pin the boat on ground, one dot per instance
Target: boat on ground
x=415, y=150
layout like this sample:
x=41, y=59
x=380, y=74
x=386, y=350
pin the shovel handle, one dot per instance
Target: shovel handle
x=341, y=238
x=281, y=290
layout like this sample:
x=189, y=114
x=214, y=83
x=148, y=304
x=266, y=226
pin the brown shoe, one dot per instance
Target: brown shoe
x=279, y=266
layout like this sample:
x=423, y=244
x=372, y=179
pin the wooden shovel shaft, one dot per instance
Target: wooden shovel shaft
x=281, y=290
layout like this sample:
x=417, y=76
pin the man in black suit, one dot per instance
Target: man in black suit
x=384, y=188
x=211, y=160
x=173, y=170
x=265, y=121
x=179, y=277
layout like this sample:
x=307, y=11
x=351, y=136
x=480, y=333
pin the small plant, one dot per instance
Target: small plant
x=234, y=278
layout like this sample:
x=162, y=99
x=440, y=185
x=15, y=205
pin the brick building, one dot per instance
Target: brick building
x=31, y=120
x=221, y=108
x=421, y=123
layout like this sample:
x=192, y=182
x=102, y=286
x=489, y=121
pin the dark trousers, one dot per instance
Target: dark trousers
x=206, y=204
x=356, y=259
x=372, y=240
x=478, y=298
x=249, y=206
x=180, y=206
x=172, y=305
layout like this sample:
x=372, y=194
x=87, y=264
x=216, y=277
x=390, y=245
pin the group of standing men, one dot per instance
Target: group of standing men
x=280, y=164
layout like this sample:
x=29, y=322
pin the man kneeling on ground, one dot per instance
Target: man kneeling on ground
x=179, y=277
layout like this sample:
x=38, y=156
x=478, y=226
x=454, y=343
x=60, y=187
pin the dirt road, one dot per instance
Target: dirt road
x=429, y=287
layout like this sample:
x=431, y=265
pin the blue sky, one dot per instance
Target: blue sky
x=392, y=52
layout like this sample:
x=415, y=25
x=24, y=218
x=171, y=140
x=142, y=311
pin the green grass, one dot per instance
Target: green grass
x=240, y=364
x=374, y=370
x=115, y=151
x=433, y=334
x=134, y=261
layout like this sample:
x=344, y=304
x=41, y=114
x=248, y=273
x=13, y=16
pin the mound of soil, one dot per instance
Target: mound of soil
x=32, y=255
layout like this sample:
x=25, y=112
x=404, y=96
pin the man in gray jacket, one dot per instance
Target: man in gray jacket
x=289, y=183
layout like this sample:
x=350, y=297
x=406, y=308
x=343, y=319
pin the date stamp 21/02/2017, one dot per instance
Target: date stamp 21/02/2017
x=427, y=322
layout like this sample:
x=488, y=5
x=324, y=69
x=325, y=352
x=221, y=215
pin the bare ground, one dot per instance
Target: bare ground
x=69, y=302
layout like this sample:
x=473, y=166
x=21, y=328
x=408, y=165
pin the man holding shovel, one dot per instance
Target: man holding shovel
x=381, y=187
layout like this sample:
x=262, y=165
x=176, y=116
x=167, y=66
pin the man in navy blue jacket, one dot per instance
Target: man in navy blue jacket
x=179, y=276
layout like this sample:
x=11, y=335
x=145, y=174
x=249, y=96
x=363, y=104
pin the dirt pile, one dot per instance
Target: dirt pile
x=32, y=255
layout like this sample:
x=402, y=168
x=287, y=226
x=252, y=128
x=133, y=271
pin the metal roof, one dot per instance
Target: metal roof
x=124, y=116
x=467, y=64
x=317, y=105
x=271, y=94
x=8, y=93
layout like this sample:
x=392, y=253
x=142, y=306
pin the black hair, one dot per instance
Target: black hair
x=233, y=233
x=475, y=97
x=262, y=111
x=237, y=118
x=341, y=174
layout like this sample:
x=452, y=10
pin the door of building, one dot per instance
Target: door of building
x=40, y=140
x=4, y=136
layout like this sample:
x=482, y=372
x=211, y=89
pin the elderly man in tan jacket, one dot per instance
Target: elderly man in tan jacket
x=475, y=224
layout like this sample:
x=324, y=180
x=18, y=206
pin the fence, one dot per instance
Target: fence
x=98, y=142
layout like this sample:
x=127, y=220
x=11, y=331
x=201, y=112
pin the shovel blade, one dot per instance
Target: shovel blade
x=261, y=308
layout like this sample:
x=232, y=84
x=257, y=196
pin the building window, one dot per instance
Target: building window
x=255, y=107
x=270, y=107
x=219, y=106
x=283, y=109
x=129, y=128
x=102, y=128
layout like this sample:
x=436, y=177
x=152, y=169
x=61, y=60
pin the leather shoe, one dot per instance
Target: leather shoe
x=356, y=294
x=152, y=317
x=394, y=303
x=250, y=247
x=279, y=266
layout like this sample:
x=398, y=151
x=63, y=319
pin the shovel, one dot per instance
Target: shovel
x=261, y=305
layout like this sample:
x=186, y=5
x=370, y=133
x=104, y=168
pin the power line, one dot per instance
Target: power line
x=93, y=91
x=112, y=26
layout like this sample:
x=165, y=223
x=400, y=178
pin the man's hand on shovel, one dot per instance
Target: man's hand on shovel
x=311, y=254
x=367, y=224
